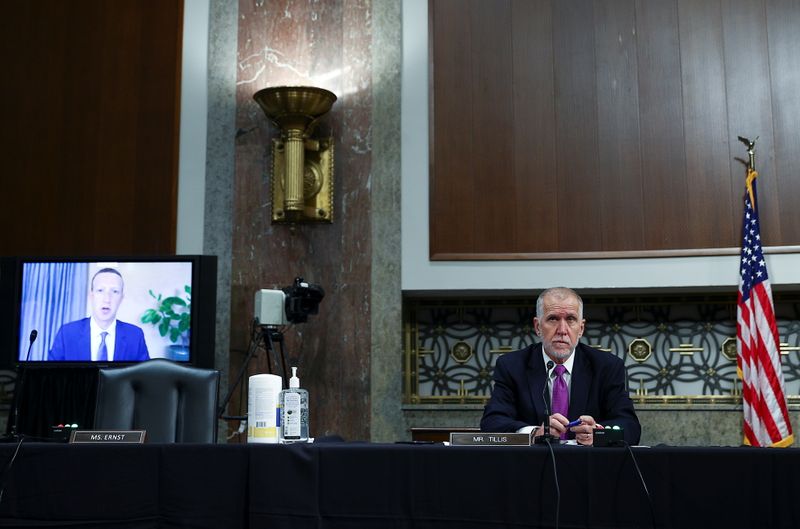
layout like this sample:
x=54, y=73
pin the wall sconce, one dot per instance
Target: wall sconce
x=302, y=167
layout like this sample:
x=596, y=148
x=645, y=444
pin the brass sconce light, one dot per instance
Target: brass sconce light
x=302, y=167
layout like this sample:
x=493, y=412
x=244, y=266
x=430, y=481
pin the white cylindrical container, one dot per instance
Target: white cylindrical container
x=262, y=408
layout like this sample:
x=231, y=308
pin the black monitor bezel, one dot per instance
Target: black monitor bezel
x=203, y=327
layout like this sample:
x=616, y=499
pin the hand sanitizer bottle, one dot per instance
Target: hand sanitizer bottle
x=294, y=412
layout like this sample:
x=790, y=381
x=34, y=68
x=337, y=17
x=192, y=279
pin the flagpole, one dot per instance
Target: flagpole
x=766, y=415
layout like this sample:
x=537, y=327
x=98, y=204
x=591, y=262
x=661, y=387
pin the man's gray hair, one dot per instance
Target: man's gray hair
x=558, y=293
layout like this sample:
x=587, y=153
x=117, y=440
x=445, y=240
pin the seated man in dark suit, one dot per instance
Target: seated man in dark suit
x=101, y=338
x=590, y=386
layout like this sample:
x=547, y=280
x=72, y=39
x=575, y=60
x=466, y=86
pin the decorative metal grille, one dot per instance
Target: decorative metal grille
x=676, y=349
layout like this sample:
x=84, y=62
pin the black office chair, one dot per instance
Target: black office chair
x=174, y=403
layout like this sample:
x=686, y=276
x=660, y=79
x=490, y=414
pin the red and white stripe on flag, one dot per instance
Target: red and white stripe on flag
x=766, y=417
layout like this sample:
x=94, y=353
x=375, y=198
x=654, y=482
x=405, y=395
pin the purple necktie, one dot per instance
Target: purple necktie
x=560, y=394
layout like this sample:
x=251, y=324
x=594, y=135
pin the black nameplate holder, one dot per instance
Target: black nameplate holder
x=490, y=439
x=107, y=437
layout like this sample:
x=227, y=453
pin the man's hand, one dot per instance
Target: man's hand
x=558, y=424
x=584, y=432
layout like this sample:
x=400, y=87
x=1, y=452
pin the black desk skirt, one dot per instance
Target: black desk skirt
x=353, y=485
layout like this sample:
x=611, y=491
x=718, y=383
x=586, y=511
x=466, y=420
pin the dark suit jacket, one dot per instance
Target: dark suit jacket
x=598, y=388
x=73, y=343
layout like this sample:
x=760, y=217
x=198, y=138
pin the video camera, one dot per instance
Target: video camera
x=292, y=304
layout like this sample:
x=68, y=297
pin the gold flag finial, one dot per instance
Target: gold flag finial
x=751, y=166
x=751, y=152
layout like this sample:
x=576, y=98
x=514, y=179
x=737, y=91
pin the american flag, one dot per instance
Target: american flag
x=766, y=418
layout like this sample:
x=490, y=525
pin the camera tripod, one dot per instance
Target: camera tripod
x=262, y=337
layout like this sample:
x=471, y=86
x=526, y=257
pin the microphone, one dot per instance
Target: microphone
x=34, y=334
x=546, y=437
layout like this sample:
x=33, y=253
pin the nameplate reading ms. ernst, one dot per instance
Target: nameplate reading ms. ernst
x=108, y=436
x=490, y=439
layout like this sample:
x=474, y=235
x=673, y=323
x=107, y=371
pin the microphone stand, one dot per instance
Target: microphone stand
x=15, y=433
x=546, y=437
x=549, y=439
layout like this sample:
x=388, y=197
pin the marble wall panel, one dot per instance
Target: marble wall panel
x=325, y=44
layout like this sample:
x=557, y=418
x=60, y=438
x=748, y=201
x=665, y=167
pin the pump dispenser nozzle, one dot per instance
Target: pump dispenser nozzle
x=294, y=382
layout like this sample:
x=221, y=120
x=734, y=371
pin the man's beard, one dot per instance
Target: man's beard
x=559, y=354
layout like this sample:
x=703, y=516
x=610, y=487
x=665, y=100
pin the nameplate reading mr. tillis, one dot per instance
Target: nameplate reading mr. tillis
x=490, y=439
x=107, y=436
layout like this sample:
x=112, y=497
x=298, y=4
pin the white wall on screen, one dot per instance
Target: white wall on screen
x=166, y=279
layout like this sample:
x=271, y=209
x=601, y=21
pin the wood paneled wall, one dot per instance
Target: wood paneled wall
x=609, y=127
x=90, y=121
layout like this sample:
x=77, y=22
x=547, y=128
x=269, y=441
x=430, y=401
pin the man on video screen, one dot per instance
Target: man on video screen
x=101, y=337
